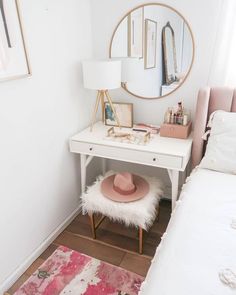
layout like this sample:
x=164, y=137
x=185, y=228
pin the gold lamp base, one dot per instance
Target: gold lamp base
x=102, y=94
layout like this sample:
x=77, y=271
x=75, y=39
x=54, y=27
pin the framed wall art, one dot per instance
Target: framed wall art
x=124, y=112
x=14, y=61
x=150, y=44
x=135, y=33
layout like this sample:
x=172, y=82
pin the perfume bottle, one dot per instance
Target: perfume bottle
x=168, y=115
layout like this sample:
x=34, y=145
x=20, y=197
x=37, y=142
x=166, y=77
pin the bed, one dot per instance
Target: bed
x=200, y=241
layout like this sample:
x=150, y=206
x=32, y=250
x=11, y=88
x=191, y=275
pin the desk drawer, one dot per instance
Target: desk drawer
x=133, y=156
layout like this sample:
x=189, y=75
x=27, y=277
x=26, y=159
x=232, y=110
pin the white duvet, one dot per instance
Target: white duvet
x=200, y=240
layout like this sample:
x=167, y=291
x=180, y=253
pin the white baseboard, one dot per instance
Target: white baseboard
x=23, y=267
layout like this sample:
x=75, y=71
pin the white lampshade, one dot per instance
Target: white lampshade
x=102, y=75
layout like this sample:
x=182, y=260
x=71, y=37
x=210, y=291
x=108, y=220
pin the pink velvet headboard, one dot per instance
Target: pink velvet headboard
x=209, y=100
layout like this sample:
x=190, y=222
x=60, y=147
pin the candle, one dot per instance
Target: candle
x=185, y=120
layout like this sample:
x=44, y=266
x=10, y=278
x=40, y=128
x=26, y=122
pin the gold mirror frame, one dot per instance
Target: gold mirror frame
x=193, y=42
x=168, y=26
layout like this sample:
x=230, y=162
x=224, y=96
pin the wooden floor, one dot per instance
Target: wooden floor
x=115, y=243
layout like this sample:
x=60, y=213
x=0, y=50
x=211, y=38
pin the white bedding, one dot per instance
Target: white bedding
x=200, y=240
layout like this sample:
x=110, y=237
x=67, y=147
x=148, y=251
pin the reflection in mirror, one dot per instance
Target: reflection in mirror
x=169, y=52
x=159, y=42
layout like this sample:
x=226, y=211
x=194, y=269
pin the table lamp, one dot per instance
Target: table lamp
x=102, y=76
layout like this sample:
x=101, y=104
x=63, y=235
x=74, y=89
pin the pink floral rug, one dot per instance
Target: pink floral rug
x=70, y=272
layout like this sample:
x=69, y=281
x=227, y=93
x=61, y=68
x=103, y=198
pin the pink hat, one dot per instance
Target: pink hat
x=124, y=187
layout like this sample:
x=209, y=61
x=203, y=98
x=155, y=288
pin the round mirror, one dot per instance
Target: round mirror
x=155, y=44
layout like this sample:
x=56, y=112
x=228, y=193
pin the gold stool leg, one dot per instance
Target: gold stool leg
x=91, y=217
x=140, y=240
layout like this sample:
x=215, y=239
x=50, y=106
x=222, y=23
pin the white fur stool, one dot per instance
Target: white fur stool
x=140, y=213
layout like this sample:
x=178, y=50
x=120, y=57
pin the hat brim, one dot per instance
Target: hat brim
x=142, y=189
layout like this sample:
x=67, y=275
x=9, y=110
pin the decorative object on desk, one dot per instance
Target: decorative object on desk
x=150, y=44
x=140, y=213
x=133, y=137
x=177, y=122
x=69, y=272
x=124, y=187
x=14, y=61
x=175, y=131
x=124, y=112
x=177, y=115
x=146, y=128
x=102, y=76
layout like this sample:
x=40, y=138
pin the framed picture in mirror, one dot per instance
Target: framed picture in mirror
x=124, y=112
x=135, y=33
x=150, y=44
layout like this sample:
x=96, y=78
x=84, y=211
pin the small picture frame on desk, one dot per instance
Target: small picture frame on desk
x=124, y=112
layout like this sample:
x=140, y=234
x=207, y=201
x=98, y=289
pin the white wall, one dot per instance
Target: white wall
x=39, y=178
x=119, y=46
x=203, y=17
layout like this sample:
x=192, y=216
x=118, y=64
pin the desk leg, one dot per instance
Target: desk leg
x=104, y=166
x=175, y=187
x=174, y=178
x=184, y=176
x=83, y=172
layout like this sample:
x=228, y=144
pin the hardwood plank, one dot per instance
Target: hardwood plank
x=80, y=225
x=126, y=243
x=80, y=228
x=37, y=263
x=113, y=228
x=82, y=218
x=118, y=235
x=119, y=228
x=91, y=248
x=158, y=228
x=18, y=284
x=136, y=263
x=152, y=238
x=48, y=252
x=118, y=240
x=164, y=203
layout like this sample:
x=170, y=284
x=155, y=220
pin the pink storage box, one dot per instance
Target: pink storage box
x=176, y=131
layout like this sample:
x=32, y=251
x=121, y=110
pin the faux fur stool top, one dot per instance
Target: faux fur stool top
x=141, y=213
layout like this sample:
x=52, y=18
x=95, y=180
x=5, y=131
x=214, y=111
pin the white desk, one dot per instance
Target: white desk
x=169, y=153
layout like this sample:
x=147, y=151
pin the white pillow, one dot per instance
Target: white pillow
x=221, y=148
